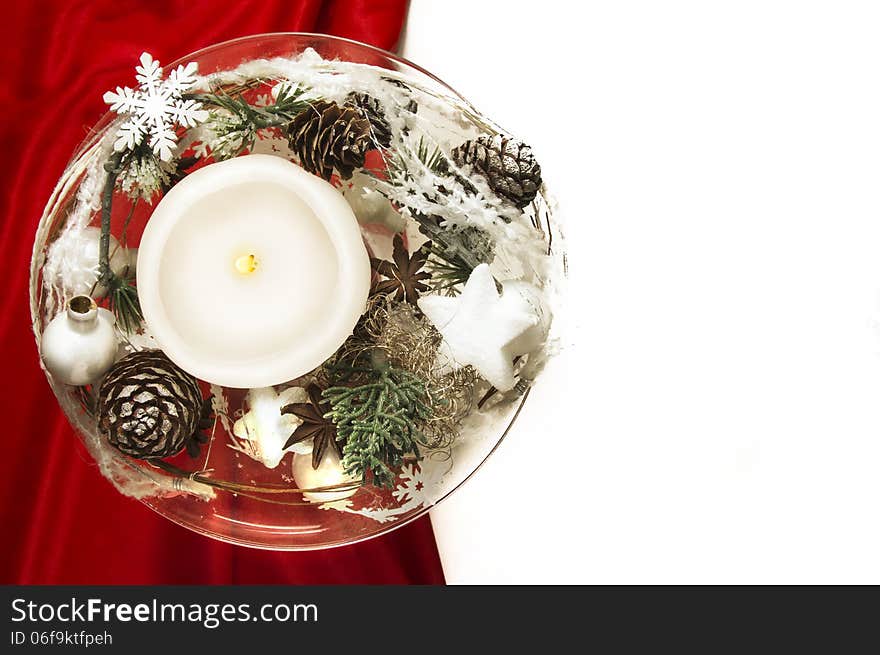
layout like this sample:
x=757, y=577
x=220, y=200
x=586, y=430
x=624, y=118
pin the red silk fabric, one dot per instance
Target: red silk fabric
x=61, y=521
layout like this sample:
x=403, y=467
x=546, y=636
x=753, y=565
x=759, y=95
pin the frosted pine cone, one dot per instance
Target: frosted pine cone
x=149, y=408
x=507, y=164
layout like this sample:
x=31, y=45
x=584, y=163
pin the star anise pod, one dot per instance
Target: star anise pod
x=314, y=425
x=404, y=277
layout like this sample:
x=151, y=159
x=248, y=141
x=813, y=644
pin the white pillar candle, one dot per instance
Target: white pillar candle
x=252, y=272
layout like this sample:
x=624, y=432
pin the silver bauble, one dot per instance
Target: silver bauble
x=79, y=345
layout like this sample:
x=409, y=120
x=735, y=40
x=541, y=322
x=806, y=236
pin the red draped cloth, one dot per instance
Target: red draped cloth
x=62, y=522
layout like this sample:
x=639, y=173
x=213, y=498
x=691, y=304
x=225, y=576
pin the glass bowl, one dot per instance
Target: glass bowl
x=246, y=510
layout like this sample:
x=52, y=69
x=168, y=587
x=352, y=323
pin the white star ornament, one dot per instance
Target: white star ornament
x=483, y=328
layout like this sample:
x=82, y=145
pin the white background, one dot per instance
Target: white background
x=717, y=418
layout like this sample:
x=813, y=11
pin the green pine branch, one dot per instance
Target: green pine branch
x=432, y=158
x=122, y=298
x=237, y=121
x=455, y=252
x=449, y=270
x=377, y=421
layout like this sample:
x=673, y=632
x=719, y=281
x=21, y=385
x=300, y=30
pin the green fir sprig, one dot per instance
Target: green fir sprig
x=122, y=298
x=455, y=252
x=377, y=421
x=236, y=122
x=431, y=157
x=449, y=270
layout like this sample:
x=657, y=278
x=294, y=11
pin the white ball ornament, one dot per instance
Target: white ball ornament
x=328, y=473
x=79, y=345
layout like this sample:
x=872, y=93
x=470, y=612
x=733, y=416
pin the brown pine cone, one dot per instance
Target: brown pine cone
x=327, y=135
x=507, y=164
x=373, y=111
x=149, y=408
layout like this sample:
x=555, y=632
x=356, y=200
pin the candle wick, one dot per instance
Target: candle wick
x=246, y=264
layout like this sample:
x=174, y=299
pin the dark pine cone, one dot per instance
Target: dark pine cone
x=149, y=408
x=507, y=164
x=327, y=135
x=373, y=111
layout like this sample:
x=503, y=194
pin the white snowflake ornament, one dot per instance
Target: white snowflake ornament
x=483, y=328
x=155, y=107
x=419, y=485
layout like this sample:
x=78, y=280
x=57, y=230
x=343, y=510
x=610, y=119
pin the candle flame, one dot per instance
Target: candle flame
x=246, y=264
